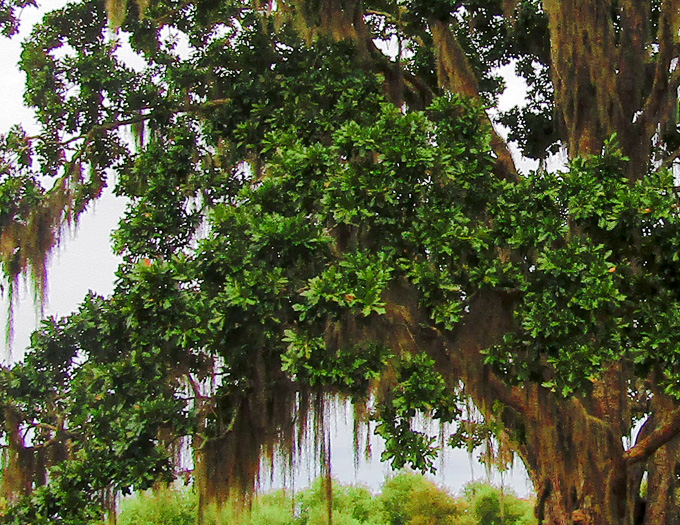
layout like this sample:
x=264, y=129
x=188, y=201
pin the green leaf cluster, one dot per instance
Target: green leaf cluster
x=419, y=390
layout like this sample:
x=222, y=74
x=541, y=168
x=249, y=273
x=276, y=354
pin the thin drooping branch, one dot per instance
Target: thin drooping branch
x=27, y=242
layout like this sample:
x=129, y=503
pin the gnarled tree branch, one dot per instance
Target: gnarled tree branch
x=655, y=439
x=455, y=74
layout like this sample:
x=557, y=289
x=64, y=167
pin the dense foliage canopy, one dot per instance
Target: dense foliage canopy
x=319, y=205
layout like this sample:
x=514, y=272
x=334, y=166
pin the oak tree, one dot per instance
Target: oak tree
x=320, y=203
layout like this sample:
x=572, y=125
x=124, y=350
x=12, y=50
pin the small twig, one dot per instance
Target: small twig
x=195, y=387
x=374, y=12
x=162, y=19
x=668, y=161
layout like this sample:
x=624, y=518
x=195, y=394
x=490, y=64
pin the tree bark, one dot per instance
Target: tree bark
x=572, y=448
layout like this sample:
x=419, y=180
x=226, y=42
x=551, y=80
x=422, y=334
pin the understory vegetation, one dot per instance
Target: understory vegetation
x=405, y=499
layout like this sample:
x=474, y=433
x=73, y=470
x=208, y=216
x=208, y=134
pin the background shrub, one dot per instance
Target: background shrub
x=405, y=499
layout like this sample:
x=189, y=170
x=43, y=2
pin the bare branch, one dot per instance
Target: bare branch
x=385, y=15
x=142, y=117
x=196, y=388
x=668, y=161
x=656, y=439
x=161, y=20
x=45, y=426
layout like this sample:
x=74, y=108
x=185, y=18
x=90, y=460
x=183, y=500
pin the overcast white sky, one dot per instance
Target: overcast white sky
x=84, y=261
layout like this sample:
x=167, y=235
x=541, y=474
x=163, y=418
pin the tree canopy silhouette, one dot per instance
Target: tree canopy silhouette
x=319, y=204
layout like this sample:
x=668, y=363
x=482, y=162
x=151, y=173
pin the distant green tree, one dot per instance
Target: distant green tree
x=491, y=506
x=162, y=507
x=411, y=499
x=179, y=506
x=405, y=499
x=273, y=508
x=351, y=505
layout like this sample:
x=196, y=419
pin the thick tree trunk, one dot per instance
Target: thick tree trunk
x=580, y=472
x=606, y=81
x=584, y=72
x=572, y=448
x=575, y=462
